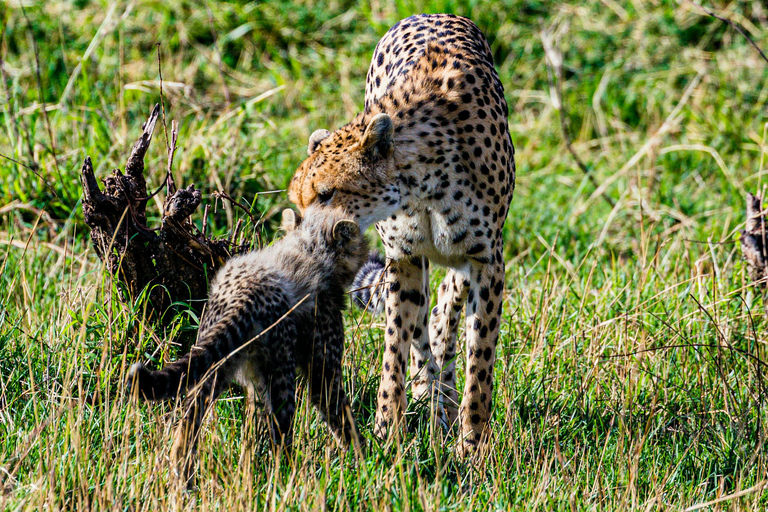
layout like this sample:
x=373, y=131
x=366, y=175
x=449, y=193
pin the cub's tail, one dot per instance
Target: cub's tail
x=175, y=379
x=368, y=286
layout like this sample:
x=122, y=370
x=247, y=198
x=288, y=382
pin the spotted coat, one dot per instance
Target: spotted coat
x=430, y=162
x=270, y=312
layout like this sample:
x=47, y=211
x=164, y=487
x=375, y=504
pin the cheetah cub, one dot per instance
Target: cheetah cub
x=269, y=313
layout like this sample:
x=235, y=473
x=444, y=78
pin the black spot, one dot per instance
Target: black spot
x=476, y=249
x=459, y=237
x=412, y=296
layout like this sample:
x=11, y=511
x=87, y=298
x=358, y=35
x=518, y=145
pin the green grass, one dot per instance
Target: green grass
x=631, y=361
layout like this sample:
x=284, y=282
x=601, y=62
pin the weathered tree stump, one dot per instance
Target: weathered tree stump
x=173, y=262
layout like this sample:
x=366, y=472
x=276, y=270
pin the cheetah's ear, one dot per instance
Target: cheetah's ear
x=378, y=135
x=315, y=139
x=290, y=220
x=345, y=230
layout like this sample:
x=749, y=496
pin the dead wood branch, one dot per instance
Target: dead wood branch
x=173, y=262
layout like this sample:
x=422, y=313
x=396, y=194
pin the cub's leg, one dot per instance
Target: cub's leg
x=325, y=376
x=404, y=281
x=250, y=378
x=195, y=406
x=281, y=395
x=484, y=304
x=443, y=327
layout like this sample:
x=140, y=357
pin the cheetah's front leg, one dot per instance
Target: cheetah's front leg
x=424, y=368
x=443, y=327
x=403, y=298
x=484, y=304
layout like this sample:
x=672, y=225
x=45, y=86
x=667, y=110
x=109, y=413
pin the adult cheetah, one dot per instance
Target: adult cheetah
x=430, y=162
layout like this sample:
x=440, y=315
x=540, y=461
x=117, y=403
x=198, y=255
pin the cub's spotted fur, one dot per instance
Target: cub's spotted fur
x=270, y=312
x=431, y=164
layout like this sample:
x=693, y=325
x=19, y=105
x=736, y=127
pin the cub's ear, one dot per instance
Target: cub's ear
x=315, y=139
x=345, y=230
x=291, y=220
x=378, y=135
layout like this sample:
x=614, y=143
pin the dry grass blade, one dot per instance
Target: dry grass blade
x=744, y=492
x=555, y=61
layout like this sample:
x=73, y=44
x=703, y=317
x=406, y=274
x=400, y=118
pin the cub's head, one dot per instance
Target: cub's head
x=332, y=239
x=351, y=169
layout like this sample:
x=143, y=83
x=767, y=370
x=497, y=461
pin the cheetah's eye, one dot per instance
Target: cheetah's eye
x=325, y=196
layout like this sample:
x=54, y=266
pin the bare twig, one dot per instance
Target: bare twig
x=171, y=151
x=20, y=163
x=34, y=171
x=205, y=219
x=738, y=28
x=170, y=146
x=162, y=96
x=224, y=195
x=236, y=232
x=555, y=67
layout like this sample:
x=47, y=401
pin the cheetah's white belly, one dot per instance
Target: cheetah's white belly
x=424, y=232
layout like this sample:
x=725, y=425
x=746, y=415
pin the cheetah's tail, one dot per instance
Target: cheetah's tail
x=368, y=287
x=175, y=379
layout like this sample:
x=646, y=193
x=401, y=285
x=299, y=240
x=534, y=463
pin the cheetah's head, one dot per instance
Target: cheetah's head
x=350, y=170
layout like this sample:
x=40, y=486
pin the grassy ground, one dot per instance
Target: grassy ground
x=630, y=371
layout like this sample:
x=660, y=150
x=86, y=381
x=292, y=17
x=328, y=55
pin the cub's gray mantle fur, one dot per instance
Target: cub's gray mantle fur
x=270, y=312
